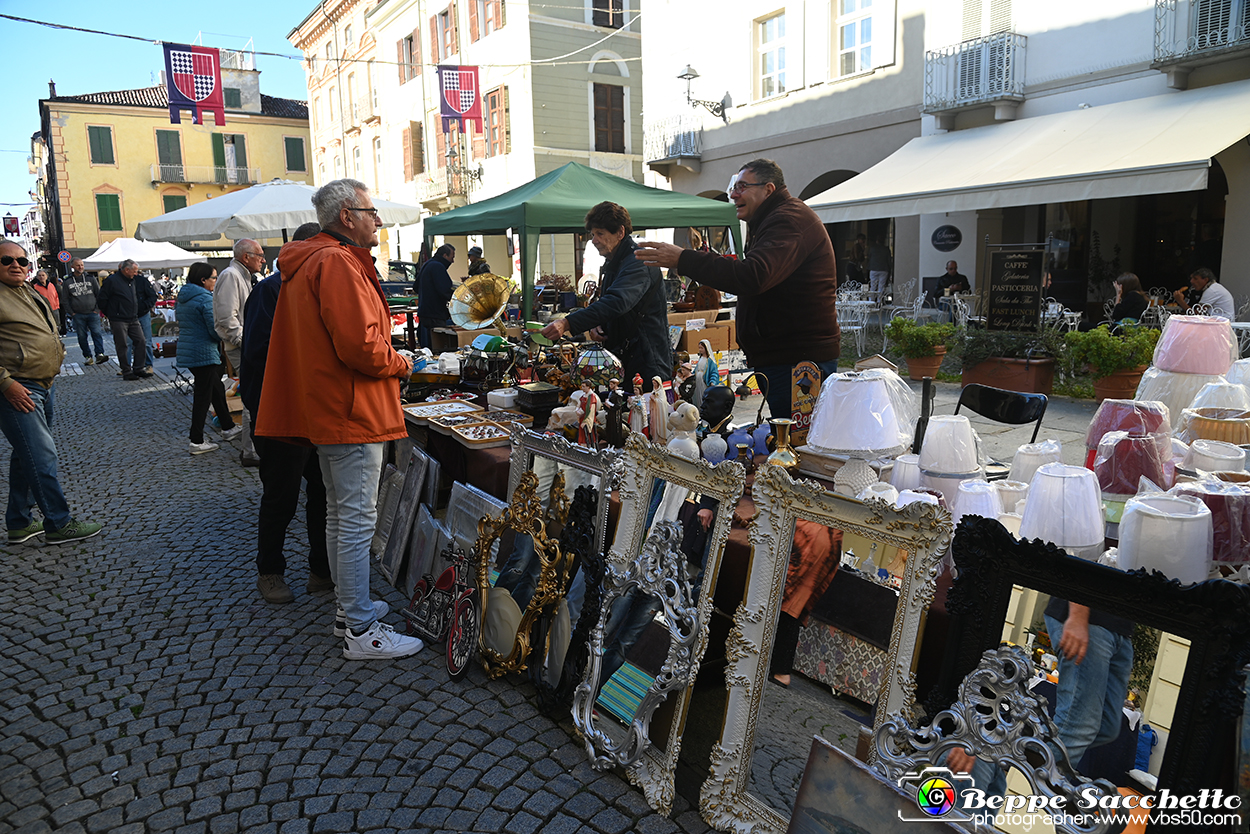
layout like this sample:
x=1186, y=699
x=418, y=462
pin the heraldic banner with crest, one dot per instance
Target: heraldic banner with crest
x=193, y=80
x=460, y=100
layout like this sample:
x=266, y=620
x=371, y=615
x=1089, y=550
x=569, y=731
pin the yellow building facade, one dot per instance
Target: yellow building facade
x=116, y=160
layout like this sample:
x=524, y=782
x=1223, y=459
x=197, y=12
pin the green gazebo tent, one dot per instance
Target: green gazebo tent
x=557, y=203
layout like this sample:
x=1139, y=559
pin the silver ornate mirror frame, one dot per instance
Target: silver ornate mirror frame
x=606, y=464
x=644, y=462
x=658, y=571
x=922, y=529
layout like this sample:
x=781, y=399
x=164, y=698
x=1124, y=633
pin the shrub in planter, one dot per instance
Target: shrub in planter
x=1115, y=360
x=922, y=345
x=1013, y=360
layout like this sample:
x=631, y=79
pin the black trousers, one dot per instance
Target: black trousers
x=784, y=645
x=282, y=467
x=130, y=330
x=207, y=390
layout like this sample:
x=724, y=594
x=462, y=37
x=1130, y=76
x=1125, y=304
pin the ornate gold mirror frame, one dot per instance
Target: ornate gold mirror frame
x=645, y=463
x=524, y=516
x=922, y=529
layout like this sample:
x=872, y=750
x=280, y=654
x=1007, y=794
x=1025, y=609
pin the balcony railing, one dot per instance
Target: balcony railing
x=364, y=110
x=674, y=137
x=433, y=186
x=192, y=174
x=1194, y=30
x=987, y=70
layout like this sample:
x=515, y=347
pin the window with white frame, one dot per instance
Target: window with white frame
x=312, y=63
x=356, y=162
x=329, y=51
x=770, y=38
x=349, y=37
x=854, y=36
x=377, y=162
x=338, y=168
x=330, y=99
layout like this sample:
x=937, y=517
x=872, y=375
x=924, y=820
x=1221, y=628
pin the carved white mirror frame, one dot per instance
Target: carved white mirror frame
x=644, y=463
x=922, y=529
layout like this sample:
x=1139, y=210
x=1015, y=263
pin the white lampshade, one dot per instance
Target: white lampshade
x=1031, y=456
x=1011, y=493
x=1012, y=522
x=1172, y=534
x=950, y=445
x=912, y=496
x=880, y=491
x=1214, y=456
x=856, y=416
x=906, y=472
x=1065, y=508
x=1220, y=394
x=977, y=497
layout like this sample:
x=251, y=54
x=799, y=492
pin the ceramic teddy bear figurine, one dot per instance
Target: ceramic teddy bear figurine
x=681, y=425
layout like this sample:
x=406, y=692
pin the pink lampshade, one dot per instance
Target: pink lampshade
x=1124, y=459
x=1196, y=345
x=1144, y=416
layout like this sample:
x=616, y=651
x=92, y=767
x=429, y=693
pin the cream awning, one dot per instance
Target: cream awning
x=1143, y=146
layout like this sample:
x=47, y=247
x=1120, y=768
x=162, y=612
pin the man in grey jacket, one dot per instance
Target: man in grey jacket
x=79, y=295
x=234, y=285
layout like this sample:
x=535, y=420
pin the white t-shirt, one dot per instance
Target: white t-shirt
x=1221, y=301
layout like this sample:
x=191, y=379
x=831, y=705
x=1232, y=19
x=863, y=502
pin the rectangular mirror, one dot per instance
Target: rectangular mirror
x=757, y=764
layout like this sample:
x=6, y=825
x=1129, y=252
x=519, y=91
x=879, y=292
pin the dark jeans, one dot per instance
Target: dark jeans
x=780, y=383
x=282, y=466
x=424, y=339
x=89, y=323
x=123, y=331
x=208, y=389
x=32, y=465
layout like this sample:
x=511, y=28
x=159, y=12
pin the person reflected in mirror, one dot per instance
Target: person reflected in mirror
x=630, y=316
x=433, y=292
x=786, y=281
x=814, y=558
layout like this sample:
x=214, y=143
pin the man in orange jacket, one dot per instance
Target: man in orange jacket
x=332, y=381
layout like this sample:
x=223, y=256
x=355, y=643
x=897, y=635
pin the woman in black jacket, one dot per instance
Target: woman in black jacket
x=1130, y=301
x=630, y=316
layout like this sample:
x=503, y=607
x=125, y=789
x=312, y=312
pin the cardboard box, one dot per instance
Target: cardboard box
x=717, y=335
x=466, y=337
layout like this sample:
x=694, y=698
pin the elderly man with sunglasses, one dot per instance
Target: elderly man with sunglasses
x=30, y=358
x=786, y=282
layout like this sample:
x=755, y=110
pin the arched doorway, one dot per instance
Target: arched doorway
x=825, y=181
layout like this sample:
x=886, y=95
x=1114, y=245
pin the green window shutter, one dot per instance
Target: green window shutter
x=295, y=154
x=173, y=202
x=219, y=157
x=101, y=141
x=233, y=97
x=240, y=156
x=109, y=210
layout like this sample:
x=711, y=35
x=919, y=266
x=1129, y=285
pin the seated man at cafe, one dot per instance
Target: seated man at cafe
x=952, y=281
x=1205, y=289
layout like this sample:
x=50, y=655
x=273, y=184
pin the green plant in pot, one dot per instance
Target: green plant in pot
x=922, y=345
x=1012, y=359
x=1116, y=361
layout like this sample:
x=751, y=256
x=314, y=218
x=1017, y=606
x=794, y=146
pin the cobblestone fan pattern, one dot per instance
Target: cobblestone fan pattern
x=146, y=686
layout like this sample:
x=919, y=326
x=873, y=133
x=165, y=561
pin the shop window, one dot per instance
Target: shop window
x=108, y=209
x=609, y=13
x=100, y=139
x=609, y=118
x=498, y=130
x=854, y=36
x=771, y=55
x=173, y=202
x=294, y=146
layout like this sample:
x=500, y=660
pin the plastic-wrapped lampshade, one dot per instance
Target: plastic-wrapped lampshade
x=1196, y=345
x=1123, y=459
x=976, y=497
x=1239, y=373
x=1172, y=534
x=1230, y=517
x=1214, y=456
x=1011, y=493
x=906, y=472
x=863, y=414
x=915, y=496
x=1222, y=395
x=1012, y=522
x=1175, y=390
x=1031, y=456
x=1133, y=416
x=1065, y=508
x=950, y=446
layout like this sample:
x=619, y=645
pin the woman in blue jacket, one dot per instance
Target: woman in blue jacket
x=197, y=350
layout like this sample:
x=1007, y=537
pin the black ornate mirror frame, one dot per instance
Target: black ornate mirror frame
x=1213, y=615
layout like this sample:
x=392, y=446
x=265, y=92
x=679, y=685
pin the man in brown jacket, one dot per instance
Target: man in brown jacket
x=786, y=283
x=332, y=381
x=30, y=358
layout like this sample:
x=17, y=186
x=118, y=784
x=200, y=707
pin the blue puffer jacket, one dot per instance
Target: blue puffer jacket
x=197, y=340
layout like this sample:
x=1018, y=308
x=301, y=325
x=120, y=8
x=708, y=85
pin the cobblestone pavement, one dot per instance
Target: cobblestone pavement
x=147, y=687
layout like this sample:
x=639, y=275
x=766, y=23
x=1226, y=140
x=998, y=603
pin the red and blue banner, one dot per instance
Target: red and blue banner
x=193, y=80
x=460, y=100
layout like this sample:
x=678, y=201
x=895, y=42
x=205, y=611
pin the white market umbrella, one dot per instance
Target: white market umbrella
x=262, y=211
x=148, y=254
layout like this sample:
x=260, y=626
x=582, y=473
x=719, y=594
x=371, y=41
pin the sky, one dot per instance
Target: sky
x=91, y=63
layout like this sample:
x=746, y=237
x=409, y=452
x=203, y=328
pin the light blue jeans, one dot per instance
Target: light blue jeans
x=1089, y=702
x=145, y=322
x=32, y=465
x=351, y=472
x=89, y=324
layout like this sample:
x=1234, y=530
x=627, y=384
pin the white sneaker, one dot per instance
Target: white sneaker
x=231, y=434
x=380, y=610
x=378, y=643
x=201, y=448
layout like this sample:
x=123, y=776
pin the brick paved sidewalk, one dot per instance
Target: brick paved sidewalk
x=147, y=687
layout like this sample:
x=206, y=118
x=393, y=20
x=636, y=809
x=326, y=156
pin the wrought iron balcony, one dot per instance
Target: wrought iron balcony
x=974, y=73
x=1190, y=33
x=194, y=174
x=677, y=140
x=436, y=190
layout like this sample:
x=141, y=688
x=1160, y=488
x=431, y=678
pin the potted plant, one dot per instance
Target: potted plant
x=1116, y=361
x=922, y=345
x=1012, y=360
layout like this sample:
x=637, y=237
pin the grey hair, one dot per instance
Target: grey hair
x=125, y=263
x=241, y=246
x=333, y=197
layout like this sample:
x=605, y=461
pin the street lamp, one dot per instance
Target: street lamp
x=454, y=169
x=716, y=108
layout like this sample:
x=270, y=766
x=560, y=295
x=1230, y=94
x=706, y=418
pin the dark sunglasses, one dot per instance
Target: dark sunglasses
x=6, y=260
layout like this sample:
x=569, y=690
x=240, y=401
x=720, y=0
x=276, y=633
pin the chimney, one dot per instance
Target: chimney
x=51, y=88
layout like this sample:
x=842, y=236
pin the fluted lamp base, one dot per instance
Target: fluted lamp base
x=854, y=477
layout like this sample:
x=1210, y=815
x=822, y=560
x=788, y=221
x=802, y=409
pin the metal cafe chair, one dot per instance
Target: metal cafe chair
x=1013, y=408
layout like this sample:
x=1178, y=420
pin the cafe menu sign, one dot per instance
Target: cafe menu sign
x=1014, y=294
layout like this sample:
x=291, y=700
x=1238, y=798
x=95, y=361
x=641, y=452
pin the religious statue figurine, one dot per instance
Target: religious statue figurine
x=657, y=411
x=588, y=415
x=615, y=405
x=685, y=384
